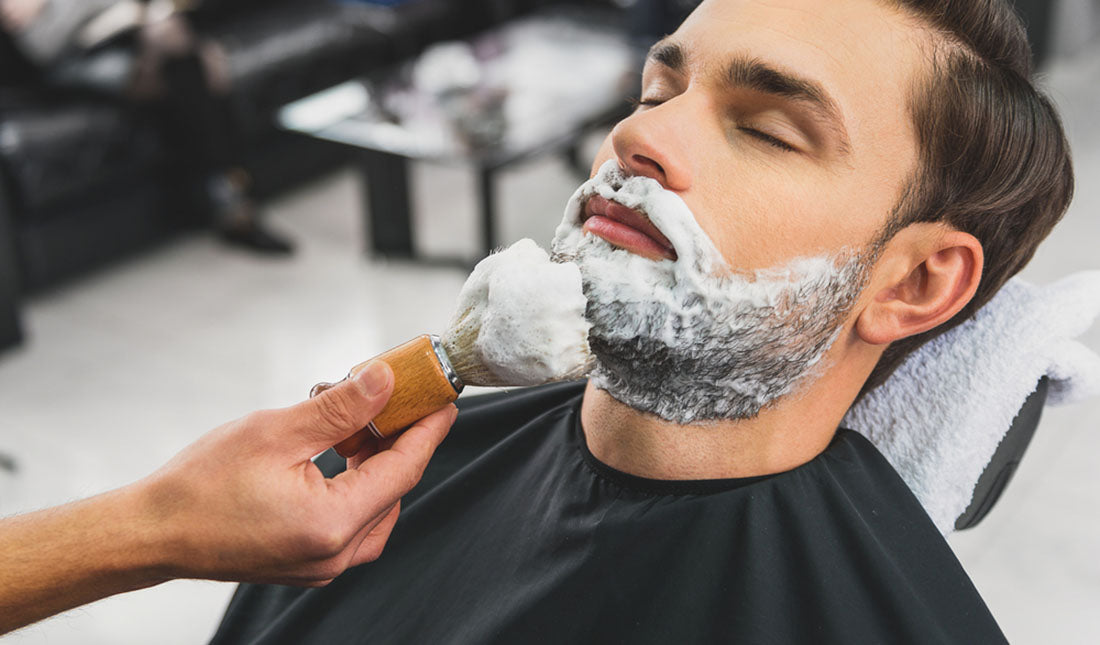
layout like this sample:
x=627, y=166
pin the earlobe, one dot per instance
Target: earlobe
x=945, y=276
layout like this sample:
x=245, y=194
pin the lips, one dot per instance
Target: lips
x=626, y=228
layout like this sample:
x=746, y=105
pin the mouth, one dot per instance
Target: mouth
x=626, y=228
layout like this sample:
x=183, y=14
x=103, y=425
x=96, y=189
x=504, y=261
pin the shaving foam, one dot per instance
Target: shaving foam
x=689, y=339
x=520, y=320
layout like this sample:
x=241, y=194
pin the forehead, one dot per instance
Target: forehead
x=864, y=53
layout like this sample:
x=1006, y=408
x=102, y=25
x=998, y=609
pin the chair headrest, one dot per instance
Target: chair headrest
x=998, y=473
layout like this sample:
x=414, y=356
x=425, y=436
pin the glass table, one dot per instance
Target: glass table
x=531, y=87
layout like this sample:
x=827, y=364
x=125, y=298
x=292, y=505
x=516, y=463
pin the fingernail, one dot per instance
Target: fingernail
x=374, y=378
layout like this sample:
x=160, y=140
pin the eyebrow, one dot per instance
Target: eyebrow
x=754, y=74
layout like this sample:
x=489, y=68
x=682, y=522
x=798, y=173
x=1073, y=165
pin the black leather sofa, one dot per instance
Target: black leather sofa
x=85, y=180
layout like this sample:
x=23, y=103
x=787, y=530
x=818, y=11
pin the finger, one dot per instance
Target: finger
x=371, y=446
x=385, y=477
x=350, y=447
x=381, y=525
x=418, y=443
x=341, y=411
x=376, y=531
x=289, y=581
x=363, y=441
x=370, y=545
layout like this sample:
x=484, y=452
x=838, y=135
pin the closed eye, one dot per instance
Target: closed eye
x=769, y=139
x=637, y=103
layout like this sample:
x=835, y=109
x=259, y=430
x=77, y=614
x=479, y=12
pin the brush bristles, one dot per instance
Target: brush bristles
x=459, y=345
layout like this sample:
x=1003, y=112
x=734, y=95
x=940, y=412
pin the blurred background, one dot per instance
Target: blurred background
x=206, y=207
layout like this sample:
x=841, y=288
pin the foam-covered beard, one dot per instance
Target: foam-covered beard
x=688, y=339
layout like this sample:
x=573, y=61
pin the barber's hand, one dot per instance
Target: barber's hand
x=246, y=503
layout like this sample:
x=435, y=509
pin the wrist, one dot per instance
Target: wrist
x=147, y=533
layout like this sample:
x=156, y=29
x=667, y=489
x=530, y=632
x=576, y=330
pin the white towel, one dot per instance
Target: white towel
x=940, y=416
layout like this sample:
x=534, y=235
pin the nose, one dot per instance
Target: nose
x=652, y=142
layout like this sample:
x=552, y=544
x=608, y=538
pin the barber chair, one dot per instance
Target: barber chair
x=1006, y=458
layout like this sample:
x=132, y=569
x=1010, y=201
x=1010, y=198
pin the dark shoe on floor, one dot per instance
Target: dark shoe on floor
x=255, y=238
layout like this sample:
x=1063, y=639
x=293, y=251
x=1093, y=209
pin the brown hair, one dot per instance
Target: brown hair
x=993, y=157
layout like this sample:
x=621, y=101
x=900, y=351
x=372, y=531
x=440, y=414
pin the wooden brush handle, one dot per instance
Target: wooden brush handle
x=420, y=387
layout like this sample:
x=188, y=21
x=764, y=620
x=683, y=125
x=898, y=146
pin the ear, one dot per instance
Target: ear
x=928, y=278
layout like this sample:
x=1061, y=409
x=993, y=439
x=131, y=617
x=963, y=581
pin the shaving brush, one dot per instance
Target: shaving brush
x=519, y=321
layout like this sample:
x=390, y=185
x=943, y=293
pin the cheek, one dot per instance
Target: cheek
x=760, y=222
x=753, y=222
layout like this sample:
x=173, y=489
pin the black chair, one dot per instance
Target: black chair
x=1006, y=459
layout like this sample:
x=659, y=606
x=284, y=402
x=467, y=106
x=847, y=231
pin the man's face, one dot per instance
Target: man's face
x=744, y=195
x=783, y=125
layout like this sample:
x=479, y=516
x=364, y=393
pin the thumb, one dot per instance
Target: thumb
x=342, y=410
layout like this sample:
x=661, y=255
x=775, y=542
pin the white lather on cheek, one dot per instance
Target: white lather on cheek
x=727, y=344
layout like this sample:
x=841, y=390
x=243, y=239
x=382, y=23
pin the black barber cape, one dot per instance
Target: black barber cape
x=517, y=534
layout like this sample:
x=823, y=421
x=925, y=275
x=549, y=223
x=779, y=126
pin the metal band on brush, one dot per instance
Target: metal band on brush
x=445, y=363
x=374, y=430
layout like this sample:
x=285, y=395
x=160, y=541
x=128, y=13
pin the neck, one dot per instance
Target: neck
x=785, y=435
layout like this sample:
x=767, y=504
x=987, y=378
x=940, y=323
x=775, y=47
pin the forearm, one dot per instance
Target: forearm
x=64, y=557
x=243, y=503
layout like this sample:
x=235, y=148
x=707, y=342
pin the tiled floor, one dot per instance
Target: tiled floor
x=125, y=368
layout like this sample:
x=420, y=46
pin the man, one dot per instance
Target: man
x=845, y=176
x=852, y=178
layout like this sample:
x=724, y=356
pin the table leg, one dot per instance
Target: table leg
x=488, y=208
x=387, y=207
x=11, y=332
